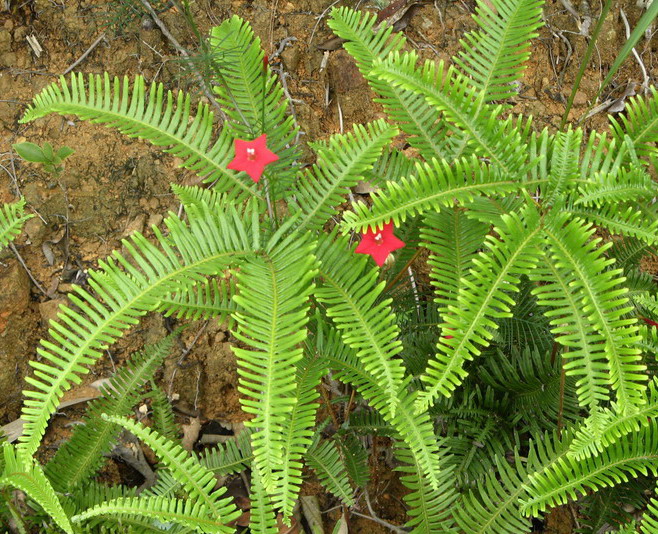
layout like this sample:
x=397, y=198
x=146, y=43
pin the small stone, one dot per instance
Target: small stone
x=291, y=57
x=154, y=220
x=135, y=225
x=580, y=99
x=49, y=310
x=36, y=230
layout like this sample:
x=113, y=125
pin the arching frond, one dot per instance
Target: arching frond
x=11, y=221
x=163, y=414
x=80, y=457
x=210, y=299
x=197, y=481
x=262, y=516
x=564, y=169
x=340, y=165
x=22, y=472
x=626, y=222
x=615, y=188
x=367, y=44
x=569, y=478
x=356, y=459
x=324, y=458
x=127, y=289
x=350, y=290
x=433, y=186
x=590, y=315
x=494, y=55
x=640, y=124
x=483, y=298
x=163, y=120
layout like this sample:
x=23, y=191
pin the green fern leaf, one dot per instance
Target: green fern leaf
x=483, y=298
x=627, y=222
x=274, y=290
x=163, y=415
x=324, y=458
x=598, y=307
x=167, y=512
x=640, y=123
x=350, y=289
x=564, y=168
x=494, y=55
x=155, y=118
x=356, y=460
x=196, y=480
x=434, y=186
x=568, y=478
x=11, y=221
x=616, y=188
x=341, y=164
x=128, y=290
x=24, y=473
x=262, y=518
x=80, y=457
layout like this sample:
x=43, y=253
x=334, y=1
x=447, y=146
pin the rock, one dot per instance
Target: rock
x=291, y=57
x=50, y=309
x=344, y=74
x=36, y=231
x=580, y=99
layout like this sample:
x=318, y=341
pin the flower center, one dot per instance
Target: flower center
x=379, y=238
x=251, y=154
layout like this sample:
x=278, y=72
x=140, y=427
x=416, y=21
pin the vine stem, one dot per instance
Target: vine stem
x=402, y=271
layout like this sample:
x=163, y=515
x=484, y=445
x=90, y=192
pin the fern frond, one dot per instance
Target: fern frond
x=350, y=290
x=390, y=167
x=366, y=44
x=453, y=241
x=11, y=221
x=605, y=427
x=273, y=293
x=649, y=523
x=324, y=458
x=416, y=431
x=24, y=473
x=197, y=481
x=483, y=298
x=163, y=120
x=262, y=518
x=609, y=507
x=594, y=306
x=128, y=289
x=340, y=165
x=569, y=478
x=253, y=98
x=564, y=168
x=80, y=457
x=640, y=123
x=356, y=460
x=433, y=186
x=493, y=505
x=430, y=507
x=163, y=415
x=617, y=188
x=207, y=300
x=627, y=222
x=232, y=457
x=166, y=511
x=477, y=126
x=494, y=55
x=299, y=430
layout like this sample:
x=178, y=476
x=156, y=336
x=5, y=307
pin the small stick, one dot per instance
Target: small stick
x=645, y=84
x=87, y=52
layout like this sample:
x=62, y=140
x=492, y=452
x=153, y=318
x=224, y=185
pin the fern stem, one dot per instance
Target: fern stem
x=402, y=271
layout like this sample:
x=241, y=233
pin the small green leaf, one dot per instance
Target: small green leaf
x=48, y=152
x=64, y=152
x=30, y=152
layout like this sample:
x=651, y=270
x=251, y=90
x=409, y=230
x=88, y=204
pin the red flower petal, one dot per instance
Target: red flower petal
x=379, y=243
x=252, y=157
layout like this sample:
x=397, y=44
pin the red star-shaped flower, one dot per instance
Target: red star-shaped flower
x=252, y=156
x=379, y=243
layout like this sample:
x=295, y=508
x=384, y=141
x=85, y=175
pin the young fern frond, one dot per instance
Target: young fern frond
x=163, y=120
x=197, y=481
x=564, y=169
x=274, y=289
x=482, y=299
x=232, y=457
x=599, y=311
x=366, y=44
x=494, y=56
x=649, y=523
x=432, y=187
x=253, y=98
x=262, y=516
x=210, y=299
x=127, y=290
x=620, y=187
x=324, y=458
x=340, y=165
x=480, y=132
x=166, y=511
x=349, y=290
x=22, y=472
x=11, y=221
x=82, y=455
x=617, y=220
x=453, y=241
x=356, y=460
x=569, y=478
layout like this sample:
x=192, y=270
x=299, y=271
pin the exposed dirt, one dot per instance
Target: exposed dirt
x=113, y=185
